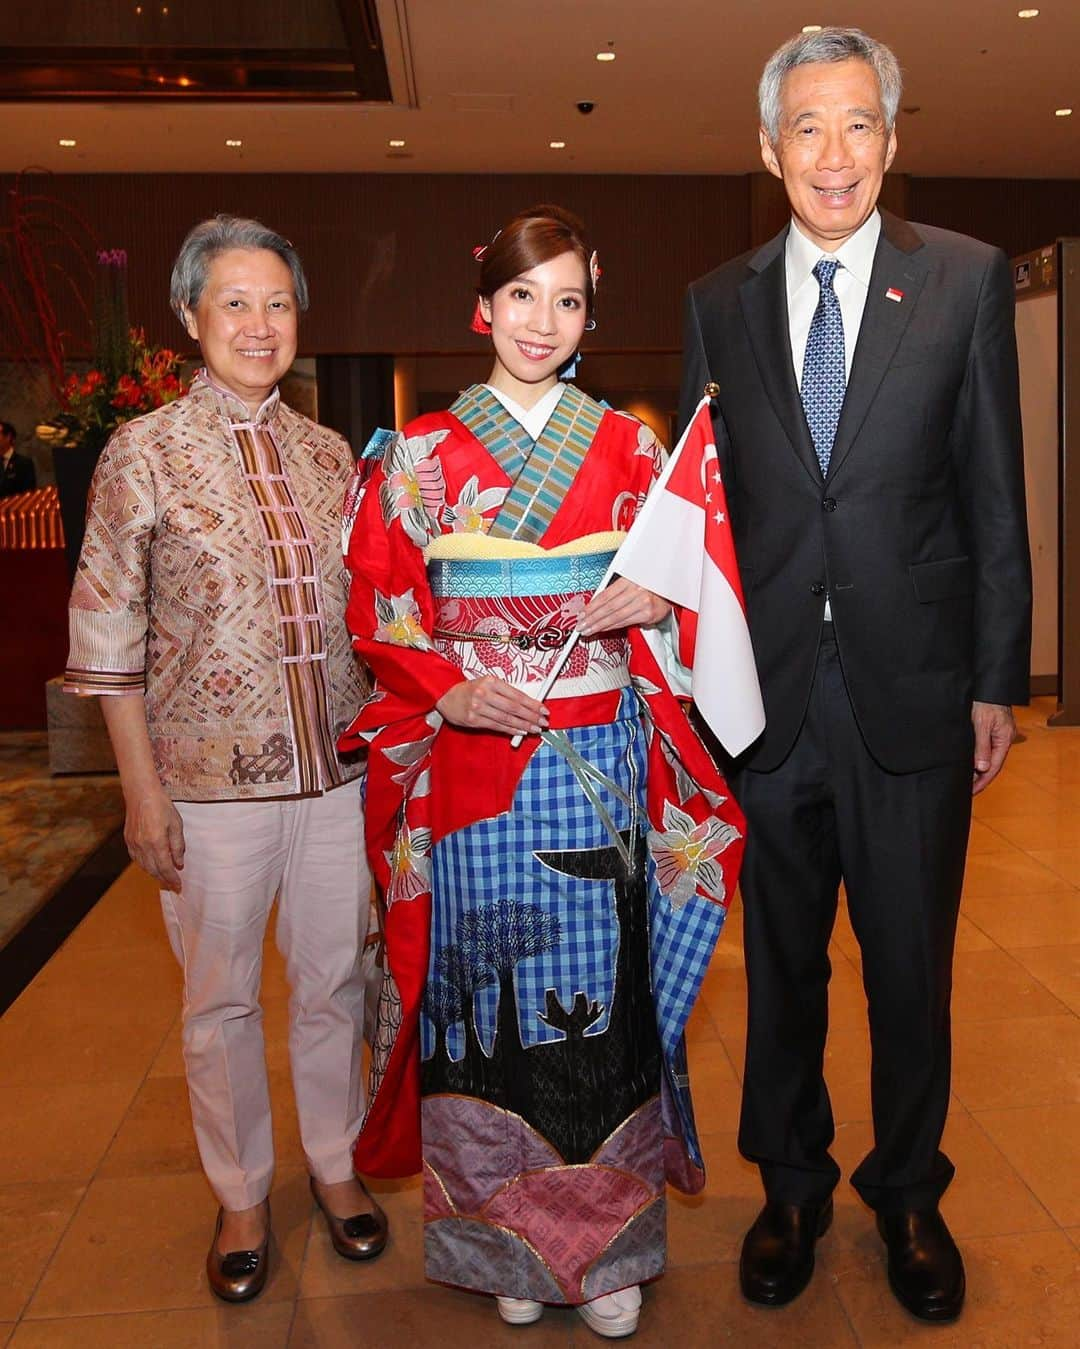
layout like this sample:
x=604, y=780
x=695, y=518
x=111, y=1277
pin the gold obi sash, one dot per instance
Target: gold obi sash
x=507, y=608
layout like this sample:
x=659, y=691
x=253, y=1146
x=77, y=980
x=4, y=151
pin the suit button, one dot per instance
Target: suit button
x=829, y=504
x=818, y=588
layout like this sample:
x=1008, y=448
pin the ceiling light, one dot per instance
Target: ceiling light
x=397, y=145
x=1027, y=13
x=557, y=145
x=605, y=56
x=66, y=142
x=812, y=28
x=234, y=145
x=1058, y=112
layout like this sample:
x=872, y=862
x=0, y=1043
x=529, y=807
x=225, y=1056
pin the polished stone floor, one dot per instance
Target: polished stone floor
x=48, y=825
x=105, y=1218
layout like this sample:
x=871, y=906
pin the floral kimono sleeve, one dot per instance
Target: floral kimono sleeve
x=390, y=611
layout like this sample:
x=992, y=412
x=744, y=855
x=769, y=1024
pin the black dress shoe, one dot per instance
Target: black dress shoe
x=778, y=1251
x=925, y=1269
x=239, y=1275
x=362, y=1237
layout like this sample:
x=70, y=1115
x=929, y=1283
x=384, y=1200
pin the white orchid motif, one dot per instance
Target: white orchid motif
x=466, y=515
x=414, y=489
x=414, y=778
x=409, y=861
x=684, y=783
x=685, y=855
x=400, y=621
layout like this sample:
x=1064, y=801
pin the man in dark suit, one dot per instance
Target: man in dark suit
x=16, y=470
x=867, y=416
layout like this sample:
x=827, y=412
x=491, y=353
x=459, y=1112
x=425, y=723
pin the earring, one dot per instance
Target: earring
x=590, y=325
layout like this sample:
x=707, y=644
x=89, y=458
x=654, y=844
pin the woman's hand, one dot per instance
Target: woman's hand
x=154, y=834
x=623, y=605
x=490, y=704
x=153, y=831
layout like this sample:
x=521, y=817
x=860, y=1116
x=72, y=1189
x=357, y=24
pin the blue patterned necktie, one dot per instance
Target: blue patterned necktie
x=824, y=379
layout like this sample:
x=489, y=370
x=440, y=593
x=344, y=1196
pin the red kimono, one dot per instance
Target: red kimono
x=550, y=910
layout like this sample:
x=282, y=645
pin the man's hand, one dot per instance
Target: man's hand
x=995, y=730
x=491, y=704
x=154, y=834
x=622, y=605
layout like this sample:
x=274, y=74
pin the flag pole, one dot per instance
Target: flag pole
x=654, y=491
x=564, y=654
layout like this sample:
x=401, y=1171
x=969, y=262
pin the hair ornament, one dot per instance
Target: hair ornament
x=595, y=270
x=480, y=251
x=479, y=324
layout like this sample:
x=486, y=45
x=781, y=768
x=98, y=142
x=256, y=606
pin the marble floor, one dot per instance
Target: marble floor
x=105, y=1218
x=48, y=825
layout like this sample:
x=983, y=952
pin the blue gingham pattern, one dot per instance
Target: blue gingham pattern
x=550, y=812
x=681, y=942
x=824, y=380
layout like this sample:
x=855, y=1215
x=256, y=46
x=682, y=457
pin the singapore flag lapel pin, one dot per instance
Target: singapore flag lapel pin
x=893, y=294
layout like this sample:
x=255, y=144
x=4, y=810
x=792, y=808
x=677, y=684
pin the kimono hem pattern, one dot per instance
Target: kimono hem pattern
x=549, y=911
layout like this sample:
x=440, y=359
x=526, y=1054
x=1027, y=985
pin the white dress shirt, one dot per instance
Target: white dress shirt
x=851, y=284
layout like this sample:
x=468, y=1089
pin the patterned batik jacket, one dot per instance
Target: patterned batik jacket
x=211, y=579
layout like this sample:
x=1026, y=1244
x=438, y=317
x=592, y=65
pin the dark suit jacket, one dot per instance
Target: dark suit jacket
x=918, y=533
x=18, y=476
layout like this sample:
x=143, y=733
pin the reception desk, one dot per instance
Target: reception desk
x=33, y=605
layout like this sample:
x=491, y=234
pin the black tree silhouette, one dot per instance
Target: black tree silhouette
x=444, y=1006
x=500, y=935
x=460, y=969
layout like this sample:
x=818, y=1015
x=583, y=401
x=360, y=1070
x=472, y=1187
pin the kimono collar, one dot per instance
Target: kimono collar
x=232, y=407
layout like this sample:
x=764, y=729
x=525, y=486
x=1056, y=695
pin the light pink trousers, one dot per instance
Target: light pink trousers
x=239, y=855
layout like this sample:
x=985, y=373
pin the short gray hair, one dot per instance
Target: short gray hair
x=217, y=235
x=828, y=45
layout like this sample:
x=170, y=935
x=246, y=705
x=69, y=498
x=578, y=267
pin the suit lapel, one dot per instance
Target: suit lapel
x=763, y=297
x=900, y=265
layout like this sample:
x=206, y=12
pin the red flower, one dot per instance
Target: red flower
x=129, y=393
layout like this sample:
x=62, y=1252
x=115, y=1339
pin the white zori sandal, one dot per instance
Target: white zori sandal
x=615, y=1314
x=519, y=1311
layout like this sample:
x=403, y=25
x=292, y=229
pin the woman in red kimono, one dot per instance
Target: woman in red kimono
x=550, y=909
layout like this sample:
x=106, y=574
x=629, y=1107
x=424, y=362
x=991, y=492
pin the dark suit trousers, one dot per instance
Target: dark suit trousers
x=898, y=842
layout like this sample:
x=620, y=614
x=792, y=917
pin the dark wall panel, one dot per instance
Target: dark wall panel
x=1017, y=214
x=389, y=256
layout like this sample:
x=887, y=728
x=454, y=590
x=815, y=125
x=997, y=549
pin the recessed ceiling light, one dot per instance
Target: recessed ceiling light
x=812, y=28
x=557, y=145
x=397, y=145
x=66, y=142
x=1027, y=13
x=605, y=56
x=234, y=145
x=1058, y=112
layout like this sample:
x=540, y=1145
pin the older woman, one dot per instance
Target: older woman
x=208, y=606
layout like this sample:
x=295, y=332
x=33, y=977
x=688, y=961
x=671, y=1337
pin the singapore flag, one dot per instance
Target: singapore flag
x=681, y=547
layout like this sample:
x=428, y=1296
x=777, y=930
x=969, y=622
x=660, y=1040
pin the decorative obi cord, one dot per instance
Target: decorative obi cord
x=508, y=608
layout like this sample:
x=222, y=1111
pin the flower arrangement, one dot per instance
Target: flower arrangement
x=128, y=376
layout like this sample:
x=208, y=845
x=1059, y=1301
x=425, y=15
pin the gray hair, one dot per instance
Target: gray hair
x=217, y=235
x=828, y=45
